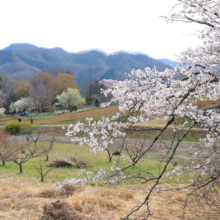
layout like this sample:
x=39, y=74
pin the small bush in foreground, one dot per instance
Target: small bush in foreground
x=15, y=127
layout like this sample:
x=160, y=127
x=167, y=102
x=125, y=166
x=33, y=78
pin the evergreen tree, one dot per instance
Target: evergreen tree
x=97, y=103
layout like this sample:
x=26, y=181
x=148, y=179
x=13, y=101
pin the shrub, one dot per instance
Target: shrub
x=26, y=127
x=15, y=127
x=92, y=184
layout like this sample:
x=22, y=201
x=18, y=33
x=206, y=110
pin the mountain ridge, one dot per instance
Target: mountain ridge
x=24, y=60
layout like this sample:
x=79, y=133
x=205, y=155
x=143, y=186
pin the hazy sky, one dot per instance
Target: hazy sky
x=109, y=25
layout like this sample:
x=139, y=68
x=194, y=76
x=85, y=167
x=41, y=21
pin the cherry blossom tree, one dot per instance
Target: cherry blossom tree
x=2, y=111
x=20, y=105
x=108, y=83
x=2, y=101
x=70, y=99
x=171, y=95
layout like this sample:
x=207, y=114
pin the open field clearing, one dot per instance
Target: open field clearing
x=95, y=161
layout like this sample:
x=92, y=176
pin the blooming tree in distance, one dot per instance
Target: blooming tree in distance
x=171, y=95
x=20, y=105
x=70, y=99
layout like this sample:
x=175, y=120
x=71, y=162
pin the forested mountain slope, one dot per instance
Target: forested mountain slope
x=23, y=60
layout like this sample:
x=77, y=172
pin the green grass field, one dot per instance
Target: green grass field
x=73, y=121
x=8, y=118
x=99, y=160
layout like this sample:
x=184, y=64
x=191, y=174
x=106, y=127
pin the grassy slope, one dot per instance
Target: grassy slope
x=99, y=160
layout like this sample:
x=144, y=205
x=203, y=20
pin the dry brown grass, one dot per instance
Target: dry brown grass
x=55, y=192
x=27, y=199
x=60, y=210
x=180, y=197
x=204, y=104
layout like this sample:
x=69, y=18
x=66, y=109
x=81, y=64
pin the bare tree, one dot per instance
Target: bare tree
x=26, y=152
x=35, y=136
x=8, y=89
x=7, y=149
x=135, y=150
x=40, y=171
x=41, y=96
x=48, y=141
x=48, y=146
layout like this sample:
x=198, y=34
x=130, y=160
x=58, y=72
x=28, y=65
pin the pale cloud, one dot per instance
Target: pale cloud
x=109, y=25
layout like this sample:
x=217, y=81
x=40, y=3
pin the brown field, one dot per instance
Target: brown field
x=112, y=110
x=91, y=113
x=70, y=116
x=25, y=198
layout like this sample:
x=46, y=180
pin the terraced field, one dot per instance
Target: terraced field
x=85, y=114
x=69, y=116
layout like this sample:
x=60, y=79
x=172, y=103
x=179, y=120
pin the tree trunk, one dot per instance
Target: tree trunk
x=47, y=157
x=3, y=163
x=21, y=171
x=39, y=108
x=109, y=155
x=133, y=163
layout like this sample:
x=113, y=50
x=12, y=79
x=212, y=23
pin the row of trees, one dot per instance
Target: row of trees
x=44, y=89
x=38, y=92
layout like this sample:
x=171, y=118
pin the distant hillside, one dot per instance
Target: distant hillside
x=24, y=60
x=169, y=62
x=20, y=46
